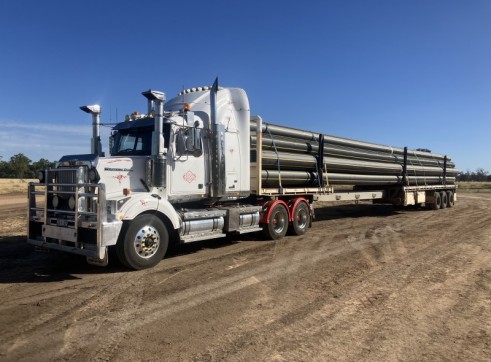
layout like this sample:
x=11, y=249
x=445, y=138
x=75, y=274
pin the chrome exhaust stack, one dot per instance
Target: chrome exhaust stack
x=95, y=110
x=156, y=102
x=217, y=142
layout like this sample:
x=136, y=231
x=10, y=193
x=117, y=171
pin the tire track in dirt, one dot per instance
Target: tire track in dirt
x=178, y=302
x=67, y=317
x=305, y=329
x=357, y=287
x=277, y=270
x=313, y=326
x=77, y=321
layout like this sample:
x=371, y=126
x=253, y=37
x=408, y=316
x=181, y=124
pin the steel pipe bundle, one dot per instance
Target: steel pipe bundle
x=301, y=146
x=270, y=178
x=340, y=141
x=290, y=157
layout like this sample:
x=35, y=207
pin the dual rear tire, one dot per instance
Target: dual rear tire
x=301, y=219
x=278, y=224
x=443, y=199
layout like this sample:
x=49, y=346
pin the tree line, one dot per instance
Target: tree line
x=20, y=166
x=480, y=175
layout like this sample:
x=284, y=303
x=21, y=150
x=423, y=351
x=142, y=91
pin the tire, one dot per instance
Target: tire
x=144, y=244
x=444, y=199
x=438, y=201
x=301, y=219
x=450, y=199
x=277, y=226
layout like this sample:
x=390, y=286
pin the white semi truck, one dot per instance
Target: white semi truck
x=200, y=167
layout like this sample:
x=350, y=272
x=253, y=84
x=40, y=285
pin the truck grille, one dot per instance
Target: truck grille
x=62, y=176
x=70, y=212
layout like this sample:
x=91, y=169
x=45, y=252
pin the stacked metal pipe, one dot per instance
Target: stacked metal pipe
x=291, y=158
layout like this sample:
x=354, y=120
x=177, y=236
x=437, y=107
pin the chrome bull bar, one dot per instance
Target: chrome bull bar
x=73, y=217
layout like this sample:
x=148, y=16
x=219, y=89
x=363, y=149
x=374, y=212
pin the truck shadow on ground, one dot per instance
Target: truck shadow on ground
x=21, y=263
x=357, y=210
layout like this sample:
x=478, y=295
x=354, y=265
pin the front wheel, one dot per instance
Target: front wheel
x=144, y=244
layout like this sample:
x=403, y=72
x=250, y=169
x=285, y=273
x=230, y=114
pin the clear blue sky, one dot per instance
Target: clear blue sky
x=413, y=73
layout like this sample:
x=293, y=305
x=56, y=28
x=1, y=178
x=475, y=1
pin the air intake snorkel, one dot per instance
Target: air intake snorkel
x=156, y=102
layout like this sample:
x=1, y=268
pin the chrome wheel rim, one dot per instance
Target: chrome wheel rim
x=278, y=222
x=147, y=242
x=302, y=218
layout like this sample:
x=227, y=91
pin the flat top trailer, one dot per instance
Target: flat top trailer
x=400, y=193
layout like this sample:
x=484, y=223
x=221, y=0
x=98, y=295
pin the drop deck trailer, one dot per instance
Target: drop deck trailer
x=201, y=168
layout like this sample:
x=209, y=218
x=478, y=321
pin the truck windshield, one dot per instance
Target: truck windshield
x=136, y=141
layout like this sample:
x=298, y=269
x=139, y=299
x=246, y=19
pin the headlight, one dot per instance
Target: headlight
x=41, y=176
x=93, y=175
x=71, y=203
x=55, y=201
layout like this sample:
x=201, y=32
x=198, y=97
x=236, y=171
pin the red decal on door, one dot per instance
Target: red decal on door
x=189, y=177
x=120, y=178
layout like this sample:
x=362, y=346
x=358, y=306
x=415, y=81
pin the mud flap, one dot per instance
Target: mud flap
x=98, y=262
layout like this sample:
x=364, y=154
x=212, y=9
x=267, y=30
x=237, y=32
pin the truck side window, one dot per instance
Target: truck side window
x=188, y=142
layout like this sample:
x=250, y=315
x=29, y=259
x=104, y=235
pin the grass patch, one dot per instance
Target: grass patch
x=473, y=186
x=14, y=186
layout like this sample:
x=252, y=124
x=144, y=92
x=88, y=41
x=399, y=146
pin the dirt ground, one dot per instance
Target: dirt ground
x=365, y=283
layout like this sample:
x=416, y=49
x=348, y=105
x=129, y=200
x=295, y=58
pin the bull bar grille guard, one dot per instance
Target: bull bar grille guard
x=78, y=230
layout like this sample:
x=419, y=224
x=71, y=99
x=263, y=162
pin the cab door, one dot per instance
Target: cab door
x=187, y=166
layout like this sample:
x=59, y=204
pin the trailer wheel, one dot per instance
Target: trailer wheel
x=301, y=219
x=144, y=244
x=444, y=199
x=450, y=199
x=277, y=226
x=438, y=201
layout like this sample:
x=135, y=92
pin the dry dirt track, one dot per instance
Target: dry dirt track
x=366, y=283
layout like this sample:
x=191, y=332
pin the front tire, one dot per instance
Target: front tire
x=144, y=244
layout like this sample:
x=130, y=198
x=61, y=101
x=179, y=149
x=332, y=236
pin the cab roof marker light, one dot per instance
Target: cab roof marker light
x=195, y=89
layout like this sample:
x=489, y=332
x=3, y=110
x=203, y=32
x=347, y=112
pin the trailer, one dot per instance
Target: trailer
x=200, y=167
